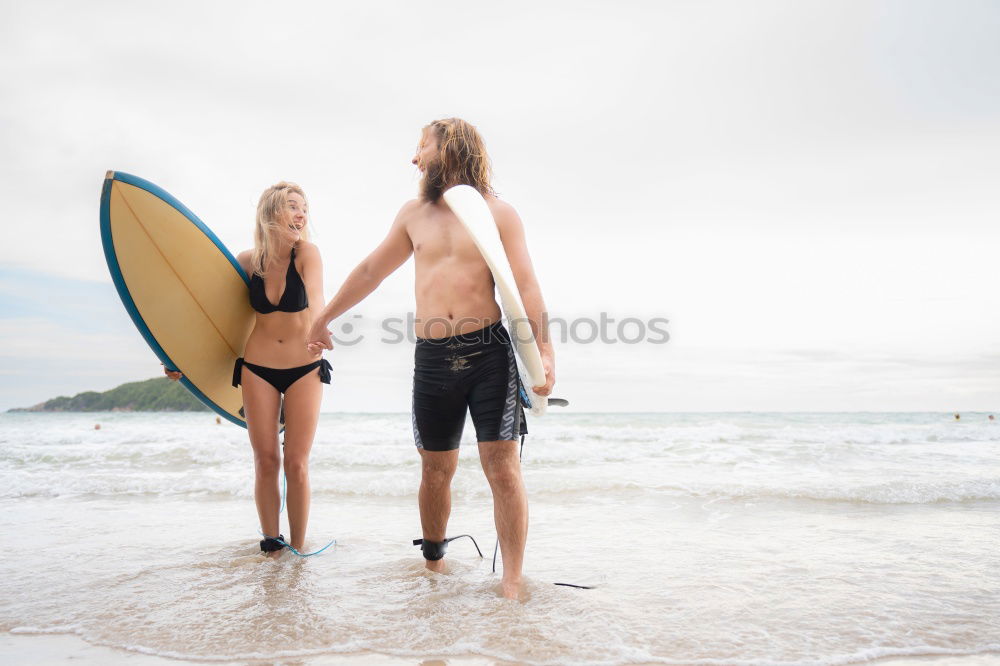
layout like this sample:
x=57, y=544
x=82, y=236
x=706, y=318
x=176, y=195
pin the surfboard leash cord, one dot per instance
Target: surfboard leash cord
x=279, y=539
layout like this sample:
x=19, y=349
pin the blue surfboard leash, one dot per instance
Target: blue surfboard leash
x=294, y=551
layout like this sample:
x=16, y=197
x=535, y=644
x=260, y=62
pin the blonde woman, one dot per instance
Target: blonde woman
x=286, y=291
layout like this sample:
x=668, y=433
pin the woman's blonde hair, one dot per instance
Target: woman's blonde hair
x=271, y=210
x=461, y=160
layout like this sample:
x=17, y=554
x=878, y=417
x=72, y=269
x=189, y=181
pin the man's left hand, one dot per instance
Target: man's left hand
x=550, y=376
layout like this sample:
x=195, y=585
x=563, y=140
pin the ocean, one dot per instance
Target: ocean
x=738, y=538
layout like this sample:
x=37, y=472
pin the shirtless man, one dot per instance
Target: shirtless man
x=464, y=360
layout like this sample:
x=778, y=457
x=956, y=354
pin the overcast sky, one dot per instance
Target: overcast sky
x=808, y=191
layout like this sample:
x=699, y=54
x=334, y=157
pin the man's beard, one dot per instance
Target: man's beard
x=432, y=185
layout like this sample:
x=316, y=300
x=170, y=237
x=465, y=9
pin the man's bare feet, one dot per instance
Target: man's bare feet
x=437, y=566
x=511, y=589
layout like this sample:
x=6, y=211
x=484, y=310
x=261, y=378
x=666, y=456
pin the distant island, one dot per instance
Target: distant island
x=153, y=395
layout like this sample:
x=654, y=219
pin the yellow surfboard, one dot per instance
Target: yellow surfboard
x=184, y=290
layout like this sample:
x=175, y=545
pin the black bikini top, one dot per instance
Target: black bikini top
x=293, y=300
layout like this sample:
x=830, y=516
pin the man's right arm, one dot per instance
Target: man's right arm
x=391, y=253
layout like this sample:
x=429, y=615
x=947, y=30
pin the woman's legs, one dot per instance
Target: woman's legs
x=302, y=402
x=260, y=404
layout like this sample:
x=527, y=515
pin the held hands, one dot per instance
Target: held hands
x=318, y=338
x=550, y=376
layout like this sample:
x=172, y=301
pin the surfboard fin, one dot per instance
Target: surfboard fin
x=552, y=402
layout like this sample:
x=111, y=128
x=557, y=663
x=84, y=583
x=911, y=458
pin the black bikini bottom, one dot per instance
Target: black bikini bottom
x=282, y=378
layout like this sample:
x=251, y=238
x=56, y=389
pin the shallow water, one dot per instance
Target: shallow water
x=710, y=538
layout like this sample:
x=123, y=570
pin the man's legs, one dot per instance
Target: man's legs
x=510, y=508
x=437, y=470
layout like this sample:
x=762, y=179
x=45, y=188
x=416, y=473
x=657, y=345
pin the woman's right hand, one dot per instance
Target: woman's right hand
x=173, y=374
x=319, y=337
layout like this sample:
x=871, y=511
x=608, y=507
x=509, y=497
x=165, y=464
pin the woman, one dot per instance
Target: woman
x=286, y=290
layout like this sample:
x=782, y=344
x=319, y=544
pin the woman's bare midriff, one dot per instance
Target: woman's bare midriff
x=278, y=340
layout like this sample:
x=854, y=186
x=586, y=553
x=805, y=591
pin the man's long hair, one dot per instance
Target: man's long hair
x=461, y=160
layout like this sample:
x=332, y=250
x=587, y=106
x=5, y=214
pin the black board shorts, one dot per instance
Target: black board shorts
x=474, y=372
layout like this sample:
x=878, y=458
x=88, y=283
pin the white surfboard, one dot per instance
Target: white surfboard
x=473, y=212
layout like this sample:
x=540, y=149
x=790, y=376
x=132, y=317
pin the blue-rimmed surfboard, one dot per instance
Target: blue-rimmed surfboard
x=185, y=292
